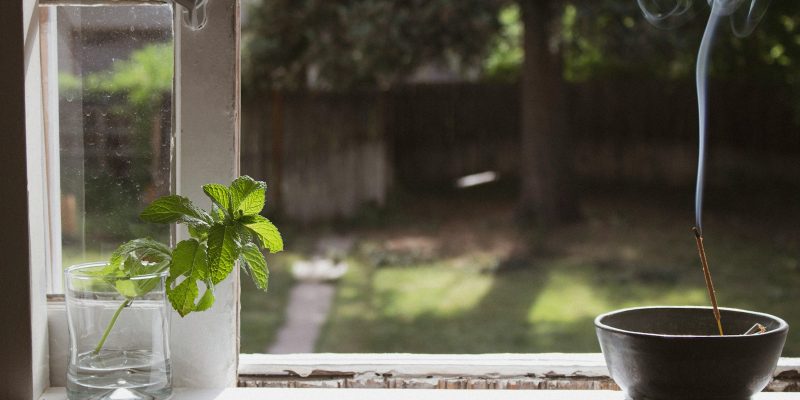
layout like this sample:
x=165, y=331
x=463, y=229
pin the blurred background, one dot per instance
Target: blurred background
x=460, y=176
x=469, y=176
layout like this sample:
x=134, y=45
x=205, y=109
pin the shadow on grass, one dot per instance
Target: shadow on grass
x=634, y=248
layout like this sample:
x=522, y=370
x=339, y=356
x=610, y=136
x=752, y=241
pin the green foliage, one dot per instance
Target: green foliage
x=247, y=197
x=610, y=37
x=131, y=96
x=256, y=265
x=169, y=209
x=504, y=61
x=222, y=252
x=189, y=259
x=346, y=44
x=132, y=266
x=267, y=233
x=182, y=296
x=219, y=239
x=343, y=44
x=144, y=77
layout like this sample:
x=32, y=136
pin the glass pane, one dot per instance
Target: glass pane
x=112, y=121
x=403, y=142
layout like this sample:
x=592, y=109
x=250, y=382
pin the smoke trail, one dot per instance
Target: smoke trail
x=667, y=14
x=701, y=76
x=744, y=19
x=742, y=25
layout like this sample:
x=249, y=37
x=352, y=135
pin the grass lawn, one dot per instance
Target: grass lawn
x=453, y=273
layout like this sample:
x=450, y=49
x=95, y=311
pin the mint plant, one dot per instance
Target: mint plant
x=232, y=230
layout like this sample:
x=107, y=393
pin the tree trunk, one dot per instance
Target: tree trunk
x=547, y=196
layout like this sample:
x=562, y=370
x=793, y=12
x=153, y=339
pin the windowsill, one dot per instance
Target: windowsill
x=302, y=369
x=398, y=394
x=495, y=365
x=551, y=371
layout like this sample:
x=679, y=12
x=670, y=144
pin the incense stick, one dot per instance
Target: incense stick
x=707, y=274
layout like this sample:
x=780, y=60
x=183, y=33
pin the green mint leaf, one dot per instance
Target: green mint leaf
x=222, y=252
x=244, y=234
x=131, y=265
x=247, y=196
x=126, y=287
x=199, y=232
x=189, y=258
x=257, y=265
x=132, y=288
x=105, y=271
x=152, y=255
x=150, y=247
x=182, y=296
x=217, y=214
x=174, y=208
x=219, y=195
x=206, y=301
x=266, y=232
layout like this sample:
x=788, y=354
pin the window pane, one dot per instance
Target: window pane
x=112, y=122
x=404, y=142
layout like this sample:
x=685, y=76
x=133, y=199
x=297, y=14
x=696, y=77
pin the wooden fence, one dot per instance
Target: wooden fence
x=324, y=155
x=327, y=154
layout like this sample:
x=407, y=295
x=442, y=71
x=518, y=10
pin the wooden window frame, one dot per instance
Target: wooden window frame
x=207, y=148
x=207, y=139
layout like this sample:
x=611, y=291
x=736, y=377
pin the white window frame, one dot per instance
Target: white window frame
x=204, y=346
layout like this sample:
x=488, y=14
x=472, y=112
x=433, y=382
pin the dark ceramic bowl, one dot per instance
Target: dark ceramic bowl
x=669, y=353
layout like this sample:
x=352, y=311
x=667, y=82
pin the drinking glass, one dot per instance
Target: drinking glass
x=119, y=345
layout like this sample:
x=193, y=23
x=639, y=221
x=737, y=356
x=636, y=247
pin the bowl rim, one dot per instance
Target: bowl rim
x=782, y=328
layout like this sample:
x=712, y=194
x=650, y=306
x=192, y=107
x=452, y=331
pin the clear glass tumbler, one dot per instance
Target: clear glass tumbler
x=119, y=346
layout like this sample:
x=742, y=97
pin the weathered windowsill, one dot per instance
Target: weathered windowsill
x=449, y=371
x=400, y=394
x=417, y=376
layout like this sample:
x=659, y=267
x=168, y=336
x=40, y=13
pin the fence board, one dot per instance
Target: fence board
x=331, y=153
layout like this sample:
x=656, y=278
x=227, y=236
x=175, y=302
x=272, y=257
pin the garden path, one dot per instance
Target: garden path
x=311, y=297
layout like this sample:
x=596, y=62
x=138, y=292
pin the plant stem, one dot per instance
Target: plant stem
x=707, y=274
x=111, y=323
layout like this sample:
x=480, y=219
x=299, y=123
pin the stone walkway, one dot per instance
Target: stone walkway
x=311, y=297
x=309, y=304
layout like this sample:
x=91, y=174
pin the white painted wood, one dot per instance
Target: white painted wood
x=205, y=345
x=58, y=340
x=411, y=365
x=786, y=364
x=38, y=249
x=399, y=394
x=52, y=151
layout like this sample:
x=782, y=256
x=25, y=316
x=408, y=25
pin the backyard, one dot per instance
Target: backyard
x=361, y=144
x=453, y=273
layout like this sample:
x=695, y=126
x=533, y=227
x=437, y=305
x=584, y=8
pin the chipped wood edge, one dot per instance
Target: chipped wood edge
x=581, y=371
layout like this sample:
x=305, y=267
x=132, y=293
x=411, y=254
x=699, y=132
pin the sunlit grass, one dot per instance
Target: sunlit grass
x=458, y=299
x=436, y=309
x=439, y=289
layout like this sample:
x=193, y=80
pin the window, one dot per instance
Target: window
x=201, y=121
x=108, y=82
x=205, y=134
x=445, y=254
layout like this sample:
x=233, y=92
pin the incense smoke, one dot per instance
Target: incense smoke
x=744, y=17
